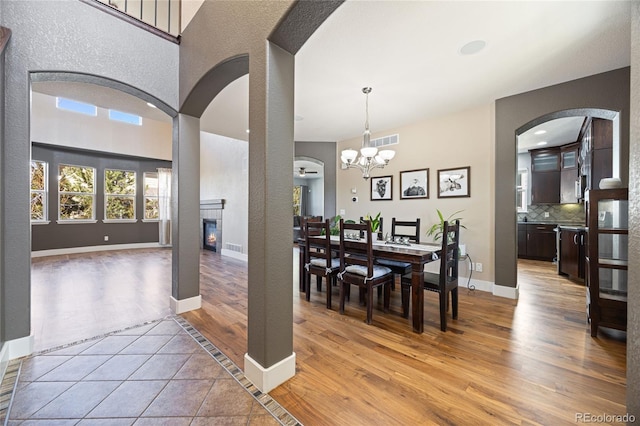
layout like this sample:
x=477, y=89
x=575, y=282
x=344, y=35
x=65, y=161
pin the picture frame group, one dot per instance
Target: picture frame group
x=414, y=184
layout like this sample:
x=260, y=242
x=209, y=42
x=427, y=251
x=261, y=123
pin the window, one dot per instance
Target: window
x=76, y=189
x=38, y=191
x=75, y=106
x=125, y=117
x=151, y=203
x=521, y=190
x=119, y=195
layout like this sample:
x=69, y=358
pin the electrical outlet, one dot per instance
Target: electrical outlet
x=342, y=212
x=479, y=267
x=106, y=238
x=546, y=214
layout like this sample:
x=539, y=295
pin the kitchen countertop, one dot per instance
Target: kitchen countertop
x=560, y=224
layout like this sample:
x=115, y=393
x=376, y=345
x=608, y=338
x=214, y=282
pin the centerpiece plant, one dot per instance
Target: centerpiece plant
x=437, y=228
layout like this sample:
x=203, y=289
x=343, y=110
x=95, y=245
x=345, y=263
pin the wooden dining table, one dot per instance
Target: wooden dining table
x=416, y=254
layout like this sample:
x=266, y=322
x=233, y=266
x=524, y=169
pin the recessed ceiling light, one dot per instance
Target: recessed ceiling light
x=542, y=143
x=247, y=131
x=472, y=47
x=540, y=132
x=151, y=105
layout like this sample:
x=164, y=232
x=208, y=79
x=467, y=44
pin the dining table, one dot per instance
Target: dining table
x=417, y=255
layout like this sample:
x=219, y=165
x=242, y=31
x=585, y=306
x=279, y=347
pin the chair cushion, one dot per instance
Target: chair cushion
x=335, y=262
x=378, y=271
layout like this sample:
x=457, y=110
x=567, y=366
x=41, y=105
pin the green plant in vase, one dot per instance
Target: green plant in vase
x=374, y=223
x=437, y=228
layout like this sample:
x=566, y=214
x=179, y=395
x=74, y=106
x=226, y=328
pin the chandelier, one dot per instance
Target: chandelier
x=370, y=158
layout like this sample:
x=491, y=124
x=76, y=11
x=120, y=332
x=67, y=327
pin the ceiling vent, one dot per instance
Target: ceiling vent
x=385, y=140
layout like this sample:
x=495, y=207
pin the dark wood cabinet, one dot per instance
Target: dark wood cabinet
x=607, y=258
x=571, y=253
x=536, y=241
x=570, y=173
x=545, y=176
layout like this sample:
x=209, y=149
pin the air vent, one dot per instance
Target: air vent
x=386, y=140
x=234, y=247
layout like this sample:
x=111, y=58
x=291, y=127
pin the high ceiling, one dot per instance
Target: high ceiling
x=409, y=53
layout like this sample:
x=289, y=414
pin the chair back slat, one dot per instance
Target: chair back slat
x=450, y=253
x=356, y=252
x=414, y=236
x=317, y=240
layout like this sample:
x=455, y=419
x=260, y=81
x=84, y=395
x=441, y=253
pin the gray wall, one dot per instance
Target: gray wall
x=56, y=236
x=633, y=319
x=325, y=152
x=67, y=36
x=4, y=35
x=608, y=90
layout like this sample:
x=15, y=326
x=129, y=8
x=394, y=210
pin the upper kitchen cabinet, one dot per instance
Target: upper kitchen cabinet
x=597, y=152
x=545, y=176
x=570, y=173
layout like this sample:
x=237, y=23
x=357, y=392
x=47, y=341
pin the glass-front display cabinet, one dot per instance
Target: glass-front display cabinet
x=607, y=256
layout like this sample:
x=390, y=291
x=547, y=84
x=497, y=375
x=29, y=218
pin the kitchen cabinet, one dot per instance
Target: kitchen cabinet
x=607, y=258
x=571, y=252
x=596, y=152
x=537, y=241
x=569, y=173
x=545, y=176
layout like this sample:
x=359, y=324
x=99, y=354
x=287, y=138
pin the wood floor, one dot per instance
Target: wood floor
x=530, y=361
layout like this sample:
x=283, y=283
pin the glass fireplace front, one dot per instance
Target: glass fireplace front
x=210, y=234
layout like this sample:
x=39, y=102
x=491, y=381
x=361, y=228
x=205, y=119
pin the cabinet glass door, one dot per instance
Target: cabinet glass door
x=545, y=162
x=569, y=159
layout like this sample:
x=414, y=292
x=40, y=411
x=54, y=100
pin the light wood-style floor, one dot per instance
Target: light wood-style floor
x=502, y=362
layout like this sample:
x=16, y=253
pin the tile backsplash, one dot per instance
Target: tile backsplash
x=561, y=213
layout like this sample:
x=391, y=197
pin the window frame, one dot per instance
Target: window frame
x=44, y=193
x=108, y=195
x=145, y=196
x=92, y=194
x=522, y=190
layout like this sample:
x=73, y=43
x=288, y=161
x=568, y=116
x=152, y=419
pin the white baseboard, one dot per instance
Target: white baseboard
x=234, y=254
x=89, y=249
x=185, y=305
x=16, y=348
x=508, y=292
x=267, y=379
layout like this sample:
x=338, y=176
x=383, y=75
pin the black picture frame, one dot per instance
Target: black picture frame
x=381, y=188
x=454, y=183
x=414, y=184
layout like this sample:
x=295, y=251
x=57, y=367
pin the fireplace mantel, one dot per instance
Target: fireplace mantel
x=212, y=204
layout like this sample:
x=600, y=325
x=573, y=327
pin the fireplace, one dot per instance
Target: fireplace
x=210, y=235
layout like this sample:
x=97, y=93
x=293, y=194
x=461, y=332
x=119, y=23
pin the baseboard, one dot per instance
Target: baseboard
x=185, y=305
x=504, y=291
x=234, y=254
x=89, y=249
x=13, y=349
x=267, y=379
x=476, y=284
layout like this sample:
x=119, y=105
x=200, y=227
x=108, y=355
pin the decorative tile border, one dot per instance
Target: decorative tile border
x=8, y=386
x=10, y=380
x=282, y=415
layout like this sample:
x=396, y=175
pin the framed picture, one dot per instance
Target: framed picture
x=454, y=183
x=414, y=184
x=381, y=188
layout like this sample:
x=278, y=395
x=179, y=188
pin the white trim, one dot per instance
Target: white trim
x=89, y=249
x=13, y=349
x=40, y=222
x=234, y=254
x=185, y=305
x=267, y=379
x=477, y=284
x=508, y=292
x=119, y=220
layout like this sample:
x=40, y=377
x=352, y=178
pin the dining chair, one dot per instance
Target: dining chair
x=318, y=257
x=444, y=282
x=357, y=266
x=403, y=229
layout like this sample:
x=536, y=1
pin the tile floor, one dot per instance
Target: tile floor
x=160, y=373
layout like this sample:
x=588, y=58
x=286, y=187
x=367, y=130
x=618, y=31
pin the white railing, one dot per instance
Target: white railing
x=161, y=14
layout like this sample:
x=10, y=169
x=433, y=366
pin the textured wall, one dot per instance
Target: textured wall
x=62, y=36
x=633, y=319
